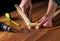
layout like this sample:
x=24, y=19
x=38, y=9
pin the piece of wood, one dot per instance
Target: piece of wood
x=56, y=13
x=22, y=14
x=42, y=33
x=27, y=21
x=52, y=35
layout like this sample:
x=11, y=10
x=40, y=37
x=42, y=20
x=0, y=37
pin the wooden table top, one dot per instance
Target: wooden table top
x=33, y=35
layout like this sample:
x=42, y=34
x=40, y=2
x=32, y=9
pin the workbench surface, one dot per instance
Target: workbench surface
x=33, y=35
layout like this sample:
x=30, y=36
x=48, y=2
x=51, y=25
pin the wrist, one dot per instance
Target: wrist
x=49, y=16
x=24, y=0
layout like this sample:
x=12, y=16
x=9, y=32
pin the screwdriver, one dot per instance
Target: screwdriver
x=8, y=18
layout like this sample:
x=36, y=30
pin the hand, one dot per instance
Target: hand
x=45, y=22
x=24, y=5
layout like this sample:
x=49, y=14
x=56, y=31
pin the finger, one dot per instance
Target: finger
x=28, y=11
x=24, y=10
x=30, y=7
x=42, y=22
x=38, y=25
x=46, y=24
x=50, y=24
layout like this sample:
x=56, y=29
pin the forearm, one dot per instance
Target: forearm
x=24, y=2
x=52, y=6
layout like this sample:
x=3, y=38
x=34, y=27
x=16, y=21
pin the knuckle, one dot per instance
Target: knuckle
x=21, y=6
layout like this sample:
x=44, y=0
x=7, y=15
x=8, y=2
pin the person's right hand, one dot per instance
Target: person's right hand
x=45, y=22
x=24, y=5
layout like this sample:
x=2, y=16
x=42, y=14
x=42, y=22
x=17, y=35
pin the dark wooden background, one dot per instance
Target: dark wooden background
x=8, y=5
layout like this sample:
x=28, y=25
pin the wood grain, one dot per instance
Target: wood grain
x=23, y=34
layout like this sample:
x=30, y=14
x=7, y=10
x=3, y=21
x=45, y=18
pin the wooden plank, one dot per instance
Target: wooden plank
x=27, y=21
x=52, y=35
x=40, y=34
x=56, y=13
